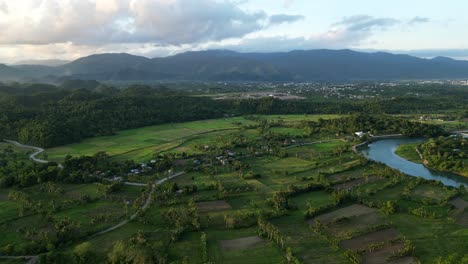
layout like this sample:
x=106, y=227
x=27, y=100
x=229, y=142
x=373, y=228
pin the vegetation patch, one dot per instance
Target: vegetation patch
x=241, y=243
x=346, y=186
x=381, y=255
x=349, y=211
x=459, y=203
x=408, y=151
x=431, y=192
x=212, y=206
x=149, y=139
x=364, y=241
x=351, y=226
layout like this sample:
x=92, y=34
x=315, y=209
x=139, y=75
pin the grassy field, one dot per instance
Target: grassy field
x=298, y=118
x=141, y=143
x=408, y=151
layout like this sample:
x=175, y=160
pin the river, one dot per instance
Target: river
x=384, y=151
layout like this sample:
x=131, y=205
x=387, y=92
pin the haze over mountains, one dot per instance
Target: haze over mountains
x=224, y=65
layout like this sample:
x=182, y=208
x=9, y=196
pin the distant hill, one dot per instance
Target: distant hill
x=224, y=65
x=52, y=63
x=8, y=73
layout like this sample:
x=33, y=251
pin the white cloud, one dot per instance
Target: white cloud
x=3, y=7
x=366, y=23
x=418, y=20
x=68, y=29
x=101, y=22
x=284, y=18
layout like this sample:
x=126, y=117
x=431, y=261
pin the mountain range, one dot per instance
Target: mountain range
x=225, y=65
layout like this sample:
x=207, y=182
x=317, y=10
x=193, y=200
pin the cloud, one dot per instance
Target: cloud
x=333, y=39
x=349, y=32
x=366, y=23
x=283, y=18
x=418, y=20
x=46, y=29
x=3, y=7
x=102, y=22
x=287, y=3
x=186, y=21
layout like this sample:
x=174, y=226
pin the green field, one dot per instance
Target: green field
x=141, y=143
x=408, y=151
x=214, y=211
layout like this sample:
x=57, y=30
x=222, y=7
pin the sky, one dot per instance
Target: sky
x=69, y=29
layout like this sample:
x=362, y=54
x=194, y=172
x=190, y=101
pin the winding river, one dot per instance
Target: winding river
x=384, y=151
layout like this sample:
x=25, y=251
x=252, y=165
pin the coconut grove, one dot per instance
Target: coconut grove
x=157, y=174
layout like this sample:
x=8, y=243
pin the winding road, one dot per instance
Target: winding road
x=143, y=207
x=33, y=259
x=36, y=152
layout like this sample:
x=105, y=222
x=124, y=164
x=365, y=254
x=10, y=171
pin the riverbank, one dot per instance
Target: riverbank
x=384, y=151
x=410, y=152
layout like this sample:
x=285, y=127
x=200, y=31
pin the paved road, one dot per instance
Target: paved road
x=138, y=184
x=310, y=143
x=145, y=205
x=36, y=152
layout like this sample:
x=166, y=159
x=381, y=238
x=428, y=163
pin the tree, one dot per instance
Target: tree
x=84, y=254
x=118, y=254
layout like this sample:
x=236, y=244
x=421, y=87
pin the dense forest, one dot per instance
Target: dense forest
x=446, y=154
x=375, y=125
x=48, y=115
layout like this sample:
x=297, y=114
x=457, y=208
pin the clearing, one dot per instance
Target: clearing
x=350, y=211
x=353, y=183
x=213, y=206
x=241, y=243
x=362, y=242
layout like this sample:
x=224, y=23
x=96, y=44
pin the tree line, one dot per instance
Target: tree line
x=48, y=116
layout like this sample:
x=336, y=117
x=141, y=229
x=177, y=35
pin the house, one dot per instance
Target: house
x=117, y=179
x=230, y=153
x=359, y=133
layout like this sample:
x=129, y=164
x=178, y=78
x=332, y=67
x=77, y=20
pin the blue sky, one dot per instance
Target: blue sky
x=68, y=29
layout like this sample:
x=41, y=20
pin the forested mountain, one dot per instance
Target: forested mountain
x=9, y=73
x=222, y=65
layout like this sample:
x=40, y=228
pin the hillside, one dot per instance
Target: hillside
x=223, y=65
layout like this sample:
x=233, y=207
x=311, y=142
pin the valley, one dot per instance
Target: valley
x=255, y=190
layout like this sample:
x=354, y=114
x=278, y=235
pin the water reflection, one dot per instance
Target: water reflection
x=384, y=151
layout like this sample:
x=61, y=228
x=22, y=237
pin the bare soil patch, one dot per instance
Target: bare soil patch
x=213, y=206
x=459, y=203
x=241, y=243
x=463, y=219
x=362, y=242
x=429, y=192
x=380, y=256
x=181, y=162
x=355, y=224
x=405, y=260
x=350, y=211
x=353, y=183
